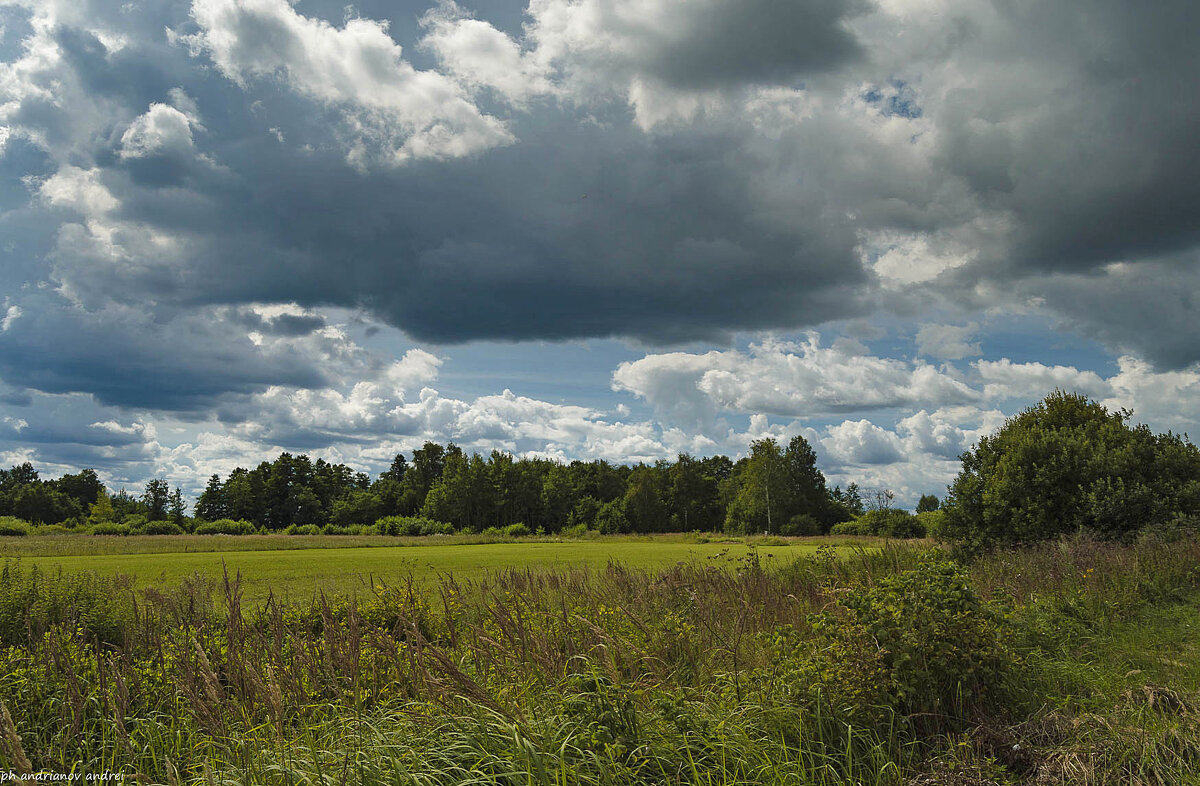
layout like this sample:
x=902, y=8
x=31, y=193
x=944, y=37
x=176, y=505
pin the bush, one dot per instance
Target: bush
x=412, y=526
x=160, y=527
x=111, y=528
x=853, y=527
x=492, y=532
x=940, y=647
x=933, y=523
x=11, y=526
x=34, y=602
x=1068, y=465
x=226, y=527
x=54, y=529
x=577, y=531
x=891, y=523
x=517, y=530
x=802, y=524
x=303, y=529
x=135, y=521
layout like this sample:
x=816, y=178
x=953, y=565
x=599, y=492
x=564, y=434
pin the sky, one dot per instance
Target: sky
x=594, y=229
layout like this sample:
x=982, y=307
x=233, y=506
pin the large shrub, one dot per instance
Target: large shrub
x=160, y=527
x=853, y=527
x=13, y=526
x=936, y=648
x=412, y=525
x=1067, y=465
x=226, y=527
x=887, y=523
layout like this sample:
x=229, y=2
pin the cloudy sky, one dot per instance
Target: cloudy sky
x=614, y=229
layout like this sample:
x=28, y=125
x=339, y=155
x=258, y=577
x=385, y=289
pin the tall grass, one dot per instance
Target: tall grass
x=871, y=669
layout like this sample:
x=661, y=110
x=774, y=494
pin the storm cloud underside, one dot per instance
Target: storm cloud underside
x=191, y=189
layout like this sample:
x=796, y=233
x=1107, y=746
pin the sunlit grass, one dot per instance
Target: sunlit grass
x=298, y=566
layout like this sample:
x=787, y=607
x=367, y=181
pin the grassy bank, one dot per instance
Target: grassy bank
x=1070, y=663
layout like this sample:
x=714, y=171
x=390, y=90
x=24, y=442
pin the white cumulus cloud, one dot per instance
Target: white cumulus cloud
x=394, y=112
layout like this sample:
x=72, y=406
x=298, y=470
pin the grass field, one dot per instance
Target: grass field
x=296, y=567
x=1074, y=662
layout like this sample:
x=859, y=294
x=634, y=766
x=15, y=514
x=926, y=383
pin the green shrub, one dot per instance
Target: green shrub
x=941, y=648
x=160, y=527
x=53, y=529
x=848, y=528
x=411, y=526
x=226, y=527
x=134, y=521
x=933, y=523
x=891, y=523
x=111, y=528
x=303, y=529
x=11, y=526
x=1179, y=528
x=802, y=524
x=517, y=530
x=577, y=531
x=1068, y=465
x=33, y=602
x=492, y=532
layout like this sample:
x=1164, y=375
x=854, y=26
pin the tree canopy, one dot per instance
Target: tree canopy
x=1067, y=464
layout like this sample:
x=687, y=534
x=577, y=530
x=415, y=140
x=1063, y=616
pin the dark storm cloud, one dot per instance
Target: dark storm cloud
x=723, y=218
x=278, y=325
x=587, y=230
x=1097, y=163
x=1085, y=153
x=127, y=358
x=717, y=44
x=1151, y=309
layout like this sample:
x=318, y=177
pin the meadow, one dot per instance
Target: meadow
x=297, y=566
x=1072, y=662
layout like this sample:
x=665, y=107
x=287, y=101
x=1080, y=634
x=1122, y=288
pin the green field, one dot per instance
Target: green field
x=334, y=565
x=1073, y=662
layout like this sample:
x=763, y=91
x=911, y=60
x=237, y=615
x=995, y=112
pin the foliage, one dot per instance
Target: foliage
x=468, y=492
x=801, y=524
x=351, y=530
x=928, y=503
x=412, y=525
x=52, y=530
x=883, y=668
x=884, y=522
x=1065, y=465
x=853, y=527
x=159, y=528
x=156, y=498
x=774, y=485
x=12, y=526
x=226, y=527
x=101, y=511
x=941, y=648
x=932, y=523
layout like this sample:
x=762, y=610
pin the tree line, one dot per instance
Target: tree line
x=775, y=488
